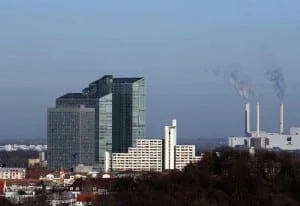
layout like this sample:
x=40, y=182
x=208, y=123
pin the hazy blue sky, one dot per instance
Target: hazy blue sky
x=48, y=48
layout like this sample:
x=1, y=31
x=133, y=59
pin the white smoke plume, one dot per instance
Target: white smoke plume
x=239, y=82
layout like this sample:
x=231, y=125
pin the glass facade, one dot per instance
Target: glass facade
x=128, y=113
x=72, y=102
x=70, y=139
x=119, y=106
x=105, y=127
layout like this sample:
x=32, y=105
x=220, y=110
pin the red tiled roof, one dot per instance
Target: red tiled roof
x=2, y=186
x=86, y=197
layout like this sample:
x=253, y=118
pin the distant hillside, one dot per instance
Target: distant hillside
x=204, y=143
x=28, y=141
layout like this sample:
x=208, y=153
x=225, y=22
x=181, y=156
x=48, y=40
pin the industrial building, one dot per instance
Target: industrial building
x=266, y=140
x=156, y=154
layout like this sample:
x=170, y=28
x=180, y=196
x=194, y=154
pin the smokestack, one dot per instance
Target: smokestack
x=281, y=119
x=257, y=120
x=247, y=119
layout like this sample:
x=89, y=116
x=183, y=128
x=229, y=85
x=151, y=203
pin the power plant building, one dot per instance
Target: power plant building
x=265, y=140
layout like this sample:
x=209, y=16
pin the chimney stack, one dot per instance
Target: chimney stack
x=247, y=119
x=257, y=120
x=281, y=120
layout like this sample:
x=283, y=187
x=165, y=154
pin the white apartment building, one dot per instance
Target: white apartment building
x=170, y=142
x=146, y=156
x=12, y=173
x=154, y=154
x=185, y=154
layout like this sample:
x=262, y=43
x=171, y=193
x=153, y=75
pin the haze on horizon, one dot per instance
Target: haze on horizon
x=48, y=48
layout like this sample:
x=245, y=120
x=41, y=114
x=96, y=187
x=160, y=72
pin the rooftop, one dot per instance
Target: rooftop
x=115, y=80
x=126, y=80
x=72, y=96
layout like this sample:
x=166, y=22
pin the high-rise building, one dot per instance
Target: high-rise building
x=119, y=105
x=170, y=142
x=71, y=138
x=128, y=112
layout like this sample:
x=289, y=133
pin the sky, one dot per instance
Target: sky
x=48, y=48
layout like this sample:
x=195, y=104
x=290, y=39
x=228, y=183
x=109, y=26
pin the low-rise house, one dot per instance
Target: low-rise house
x=19, y=190
x=101, y=186
x=85, y=199
x=62, y=178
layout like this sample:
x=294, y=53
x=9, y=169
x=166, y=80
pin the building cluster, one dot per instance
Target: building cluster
x=156, y=154
x=266, y=140
x=107, y=116
x=16, y=191
x=59, y=187
x=16, y=147
x=104, y=127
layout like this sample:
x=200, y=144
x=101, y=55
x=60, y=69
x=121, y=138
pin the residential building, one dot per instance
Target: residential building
x=156, y=154
x=12, y=173
x=185, y=154
x=170, y=142
x=146, y=156
x=70, y=137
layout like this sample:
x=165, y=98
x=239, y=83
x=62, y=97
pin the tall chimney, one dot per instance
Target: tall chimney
x=247, y=119
x=281, y=119
x=257, y=120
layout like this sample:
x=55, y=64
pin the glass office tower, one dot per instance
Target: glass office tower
x=98, y=96
x=71, y=138
x=119, y=105
x=128, y=112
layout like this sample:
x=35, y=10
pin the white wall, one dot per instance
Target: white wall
x=238, y=141
x=170, y=142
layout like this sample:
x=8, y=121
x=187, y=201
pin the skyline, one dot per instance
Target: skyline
x=50, y=48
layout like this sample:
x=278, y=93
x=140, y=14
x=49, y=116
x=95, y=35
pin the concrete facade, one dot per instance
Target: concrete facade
x=169, y=149
x=185, y=154
x=146, y=156
x=156, y=154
